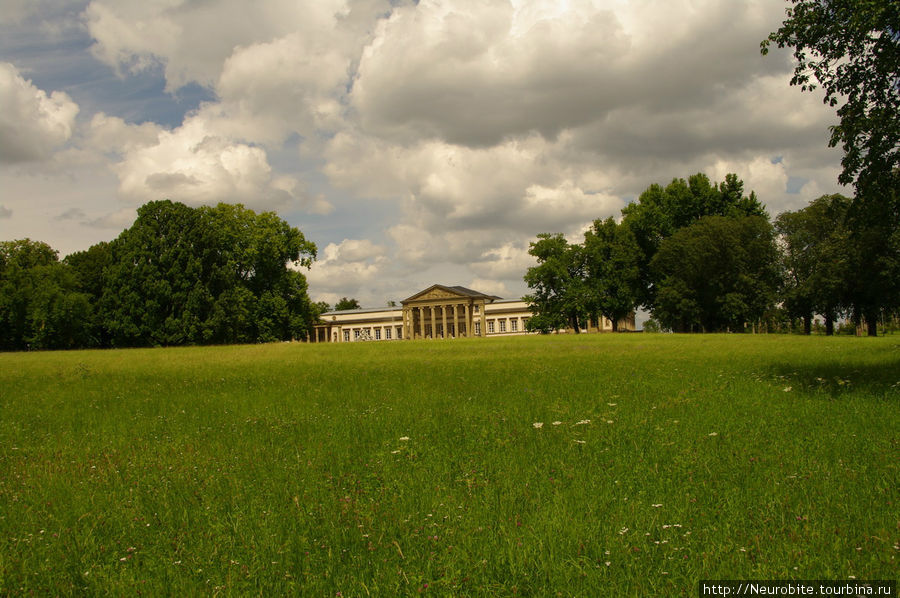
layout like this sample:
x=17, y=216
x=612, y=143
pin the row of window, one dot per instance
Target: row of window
x=386, y=333
x=501, y=325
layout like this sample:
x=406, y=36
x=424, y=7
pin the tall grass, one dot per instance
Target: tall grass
x=579, y=465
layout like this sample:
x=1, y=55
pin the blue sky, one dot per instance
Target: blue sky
x=413, y=142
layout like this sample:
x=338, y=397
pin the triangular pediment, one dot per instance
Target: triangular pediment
x=439, y=291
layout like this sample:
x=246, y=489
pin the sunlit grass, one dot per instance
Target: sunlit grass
x=394, y=468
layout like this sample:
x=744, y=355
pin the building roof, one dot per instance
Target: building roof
x=454, y=290
x=362, y=310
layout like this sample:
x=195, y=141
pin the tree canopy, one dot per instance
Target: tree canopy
x=41, y=306
x=815, y=259
x=178, y=275
x=346, y=303
x=717, y=274
x=851, y=48
x=557, y=283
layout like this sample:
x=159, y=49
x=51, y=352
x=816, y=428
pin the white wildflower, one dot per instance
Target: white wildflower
x=404, y=438
x=582, y=422
x=538, y=425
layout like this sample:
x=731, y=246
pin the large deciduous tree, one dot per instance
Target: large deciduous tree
x=718, y=274
x=612, y=270
x=207, y=275
x=816, y=255
x=661, y=211
x=40, y=304
x=558, y=297
x=851, y=48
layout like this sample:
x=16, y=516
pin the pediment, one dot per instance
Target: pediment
x=439, y=291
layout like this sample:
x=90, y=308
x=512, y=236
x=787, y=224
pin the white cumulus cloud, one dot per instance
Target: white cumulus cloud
x=32, y=123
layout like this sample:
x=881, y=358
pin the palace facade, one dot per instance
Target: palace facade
x=437, y=312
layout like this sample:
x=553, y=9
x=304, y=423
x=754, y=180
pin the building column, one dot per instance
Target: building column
x=467, y=316
x=422, y=322
x=433, y=323
x=483, y=320
x=444, y=320
x=456, y=320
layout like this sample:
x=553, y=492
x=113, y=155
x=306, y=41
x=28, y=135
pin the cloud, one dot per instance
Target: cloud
x=348, y=268
x=193, y=41
x=491, y=287
x=32, y=124
x=5, y=213
x=506, y=262
x=195, y=165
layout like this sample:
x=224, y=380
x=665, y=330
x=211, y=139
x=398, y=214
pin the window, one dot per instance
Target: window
x=502, y=325
x=475, y=309
x=387, y=334
x=514, y=325
x=378, y=334
x=346, y=336
x=356, y=332
x=490, y=327
x=477, y=328
x=400, y=332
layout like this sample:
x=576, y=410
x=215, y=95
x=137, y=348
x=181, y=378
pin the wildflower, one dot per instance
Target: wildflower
x=538, y=425
x=404, y=438
x=556, y=423
x=582, y=422
x=611, y=404
x=609, y=421
x=579, y=441
x=623, y=531
x=395, y=452
x=656, y=506
x=713, y=434
x=787, y=389
x=607, y=563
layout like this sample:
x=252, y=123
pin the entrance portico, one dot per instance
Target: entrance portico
x=445, y=312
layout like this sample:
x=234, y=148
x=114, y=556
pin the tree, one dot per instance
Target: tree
x=815, y=257
x=852, y=49
x=40, y=305
x=346, y=303
x=717, y=274
x=661, y=211
x=90, y=268
x=873, y=285
x=559, y=294
x=218, y=274
x=612, y=270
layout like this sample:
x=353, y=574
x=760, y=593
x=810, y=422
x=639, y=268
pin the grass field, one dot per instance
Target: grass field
x=571, y=465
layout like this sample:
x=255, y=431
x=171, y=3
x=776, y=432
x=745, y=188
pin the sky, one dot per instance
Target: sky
x=413, y=142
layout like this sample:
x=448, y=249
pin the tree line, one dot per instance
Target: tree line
x=177, y=276
x=705, y=257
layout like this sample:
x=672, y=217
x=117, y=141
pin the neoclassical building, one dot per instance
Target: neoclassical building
x=437, y=312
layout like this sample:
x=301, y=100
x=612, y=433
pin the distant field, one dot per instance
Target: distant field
x=585, y=465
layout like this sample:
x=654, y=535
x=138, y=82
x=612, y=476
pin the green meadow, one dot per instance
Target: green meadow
x=564, y=465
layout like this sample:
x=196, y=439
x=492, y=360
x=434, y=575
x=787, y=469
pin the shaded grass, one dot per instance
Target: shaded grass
x=281, y=469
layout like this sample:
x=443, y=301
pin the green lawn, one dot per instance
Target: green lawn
x=584, y=465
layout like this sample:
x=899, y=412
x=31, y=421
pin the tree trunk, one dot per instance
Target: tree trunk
x=615, y=324
x=807, y=325
x=829, y=325
x=872, y=324
x=574, y=322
